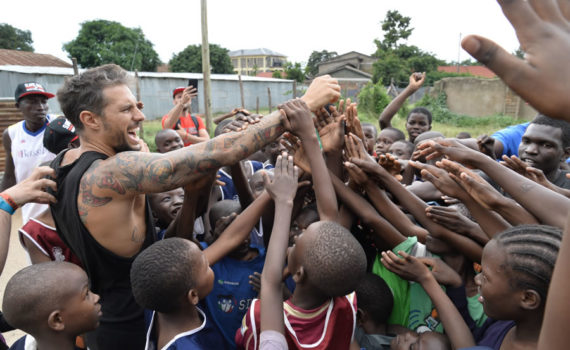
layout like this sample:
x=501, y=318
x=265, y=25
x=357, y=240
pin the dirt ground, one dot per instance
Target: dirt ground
x=17, y=259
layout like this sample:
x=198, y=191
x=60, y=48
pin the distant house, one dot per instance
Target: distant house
x=25, y=58
x=353, y=70
x=251, y=62
x=476, y=71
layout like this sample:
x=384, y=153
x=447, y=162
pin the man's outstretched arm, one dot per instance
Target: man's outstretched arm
x=131, y=173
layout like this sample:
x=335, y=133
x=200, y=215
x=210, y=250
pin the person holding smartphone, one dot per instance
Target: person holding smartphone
x=190, y=128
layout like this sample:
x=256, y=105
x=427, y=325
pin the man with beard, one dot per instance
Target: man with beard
x=190, y=128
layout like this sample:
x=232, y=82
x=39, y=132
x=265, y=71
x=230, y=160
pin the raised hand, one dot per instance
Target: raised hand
x=516, y=164
x=543, y=30
x=486, y=145
x=352, y=121
x=297, y=118
x=442, y=272
x=322, y=90
x=538, y=176
x=391, y=164
x=33, y=189
x=416, y=80
x=408, y=267
x=295, y=149
x=451, y=218
x=283, y=187
x=331, y=129
x=440, y=179
x=451, y=148
x=354, y=148
x=188, y=94
x=356, y=174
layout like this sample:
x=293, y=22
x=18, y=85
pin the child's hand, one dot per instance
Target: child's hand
x=440, y=179
x=416, y=80
x=486, y=145
x=451, y=218
x=331, y=129
x=515, y=163
x=255, y=281
x=297, y=118
x=448, y=147
x=352, y=121
x=354, y=148
x=391, y=164
x=295, y=149
x=356, y=174
x=285, y=177
x=409, y=268
x=442, y=272
x=322, y=90
x=541, y=79
x=479, y=189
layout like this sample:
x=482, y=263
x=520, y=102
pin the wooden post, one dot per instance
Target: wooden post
x=241, y=91
x=294, y=88
x=138, y=91
x=206, y=66
x=75, y=68
x=269, y=98
x=257, y=105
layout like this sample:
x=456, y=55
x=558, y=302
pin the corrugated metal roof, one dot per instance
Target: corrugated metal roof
x=255, y=52
x=69, y=71
x=26, y=58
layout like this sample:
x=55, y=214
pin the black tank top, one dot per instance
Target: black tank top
x=109, y=274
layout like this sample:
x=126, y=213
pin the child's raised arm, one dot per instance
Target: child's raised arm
x=416, y=81
x=324, y=192
x=413, y=269
x=282, y=190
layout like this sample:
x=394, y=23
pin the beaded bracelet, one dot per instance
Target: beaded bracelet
x=5, y=206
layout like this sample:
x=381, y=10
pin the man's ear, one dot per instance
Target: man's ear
x=299, y=275
x=55, y=321
x=90, y=120
x=193, y=297
x=530, y=300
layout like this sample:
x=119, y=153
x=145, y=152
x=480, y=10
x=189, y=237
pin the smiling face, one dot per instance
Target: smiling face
x=541, y=147
x=385, y=139
x=168, y=140
x=369, y=132
x=34, y=108
x=81, y=311
x=166, y=205
x=121, y=119
x=400, y=150
x=416, y=124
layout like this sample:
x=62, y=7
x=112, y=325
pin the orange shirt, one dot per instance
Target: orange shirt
x=186, y=123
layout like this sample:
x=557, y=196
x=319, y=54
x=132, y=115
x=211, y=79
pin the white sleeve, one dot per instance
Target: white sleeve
x=272, y=340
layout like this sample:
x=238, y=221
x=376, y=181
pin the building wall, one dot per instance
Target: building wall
x=478, y=97
x=246, y=64
x=156, y=91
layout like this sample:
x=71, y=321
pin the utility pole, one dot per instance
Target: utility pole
x=206, y=65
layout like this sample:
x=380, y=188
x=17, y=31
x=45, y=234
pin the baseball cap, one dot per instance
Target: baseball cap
x=30, y=88
x=178, y=90
x=59, y=134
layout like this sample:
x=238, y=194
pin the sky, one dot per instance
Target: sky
x=294, y=28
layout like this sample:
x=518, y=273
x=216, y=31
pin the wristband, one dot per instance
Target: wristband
x=9, y=200
x=5, y=206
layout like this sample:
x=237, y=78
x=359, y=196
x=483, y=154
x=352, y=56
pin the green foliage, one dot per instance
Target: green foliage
x=294, y=72
x=434, y=76
x=397, y=60
x=372, y=98
x=519, y=53
x=12, y=38
x=317, y=57
x=277, y=74
x=101, y=42
x=441, y=114
x=190, y=60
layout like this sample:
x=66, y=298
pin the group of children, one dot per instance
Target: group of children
x=337, y=237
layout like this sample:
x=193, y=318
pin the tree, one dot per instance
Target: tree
x=12, y=38
x=294, y=72
x=317, y=57
x=190, y=60
x=101, y=42
x=277, y=74
x=396, y=59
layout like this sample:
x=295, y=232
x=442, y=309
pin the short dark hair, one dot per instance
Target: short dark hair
x=375, y=297
x=84, y=92
x=421, y=110
x=163, y=273
x=397, y=132
x=409, y=145
x=26, y=304
x=336, y=262
x=563, y=125
x=370, y=125
x=531, y=252
x=223, y=208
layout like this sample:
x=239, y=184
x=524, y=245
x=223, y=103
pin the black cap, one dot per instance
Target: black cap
x=59, y=134
x=30, y=88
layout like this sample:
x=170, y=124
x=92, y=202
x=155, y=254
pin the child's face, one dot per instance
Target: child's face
x=257, y=184
x=169, y=141
x=82, y=309
x=297, y=251
x=385, y=140
x=203, y=272
x=497, y=296
x=301, y=222
x=416, y=124
x=424, y=341
x=400, y=151
x=166, y=205
x=369, y=138
x=541, y=147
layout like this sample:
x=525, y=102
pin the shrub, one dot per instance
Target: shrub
x=372, y=98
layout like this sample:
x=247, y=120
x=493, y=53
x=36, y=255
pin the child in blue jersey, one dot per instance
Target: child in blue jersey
x=52, y=303
x=170, y=277
x=232, y=292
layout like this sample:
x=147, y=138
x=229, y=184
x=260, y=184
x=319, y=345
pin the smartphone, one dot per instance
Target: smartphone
x=194, y=83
